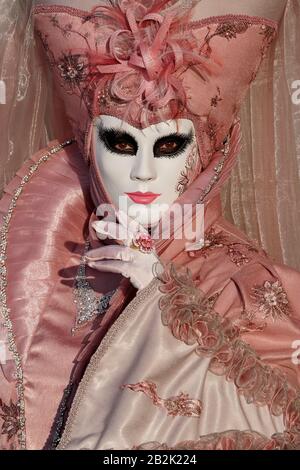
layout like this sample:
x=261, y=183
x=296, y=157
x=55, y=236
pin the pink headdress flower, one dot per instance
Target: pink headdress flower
x=136, y=67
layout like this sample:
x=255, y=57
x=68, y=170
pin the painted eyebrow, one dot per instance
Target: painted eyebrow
x=189, y=137
x=119, y=134
x=125, y=134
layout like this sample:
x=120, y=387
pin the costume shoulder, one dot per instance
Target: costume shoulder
x=43, y=213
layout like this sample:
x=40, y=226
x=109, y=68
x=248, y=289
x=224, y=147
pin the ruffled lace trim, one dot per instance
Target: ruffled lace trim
x=230, y=440
x=190, y=316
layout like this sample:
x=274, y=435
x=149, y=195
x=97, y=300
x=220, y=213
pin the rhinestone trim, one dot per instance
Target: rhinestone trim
x=217, y=170
x=4, y=310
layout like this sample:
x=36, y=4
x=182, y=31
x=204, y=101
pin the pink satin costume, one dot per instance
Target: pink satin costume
x=202, y=357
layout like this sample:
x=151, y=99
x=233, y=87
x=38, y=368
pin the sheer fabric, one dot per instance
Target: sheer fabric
x=271, y=9
x=23, y=94
x=262, y=196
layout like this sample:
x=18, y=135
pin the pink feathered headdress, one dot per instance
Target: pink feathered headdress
x=136, y=70
x=127, y=59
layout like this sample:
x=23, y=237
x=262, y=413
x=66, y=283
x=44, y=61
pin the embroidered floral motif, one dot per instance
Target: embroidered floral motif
x=10, y=416
x=54, y=21
x=247, y=322
x=272, y=300
x=73, y=70
x=216, y=99
x=192, y=168
x=239, y=253
x=232, y=29
x=186, y=312
x=235, y=252
x=180, y=405
x=213, y=240
x=229, y=30
x=66, y=29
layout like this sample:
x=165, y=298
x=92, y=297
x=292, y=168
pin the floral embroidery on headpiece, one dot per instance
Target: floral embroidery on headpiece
x=136, y=67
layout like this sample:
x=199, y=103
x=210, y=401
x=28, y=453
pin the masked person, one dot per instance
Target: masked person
x=148, y=341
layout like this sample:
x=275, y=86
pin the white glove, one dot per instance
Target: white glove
x=127, y=260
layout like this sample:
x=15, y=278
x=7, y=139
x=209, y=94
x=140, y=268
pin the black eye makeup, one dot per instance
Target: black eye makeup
x=123, y=143
x=118, y=141
x=172, y=145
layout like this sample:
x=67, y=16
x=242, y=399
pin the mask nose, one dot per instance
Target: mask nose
x=143, y=168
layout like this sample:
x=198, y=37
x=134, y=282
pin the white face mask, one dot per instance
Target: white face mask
x=158, y=163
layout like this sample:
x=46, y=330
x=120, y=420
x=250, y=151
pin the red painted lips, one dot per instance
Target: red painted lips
x=142, y=198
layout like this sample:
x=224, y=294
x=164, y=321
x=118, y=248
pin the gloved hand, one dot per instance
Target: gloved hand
x=135, y=260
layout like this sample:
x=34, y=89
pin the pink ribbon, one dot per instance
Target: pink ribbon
x=154, y=59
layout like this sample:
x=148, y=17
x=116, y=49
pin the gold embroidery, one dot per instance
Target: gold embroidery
x=239, y=253
x=180, y=405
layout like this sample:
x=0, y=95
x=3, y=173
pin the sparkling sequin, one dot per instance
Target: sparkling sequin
x=89, y=306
